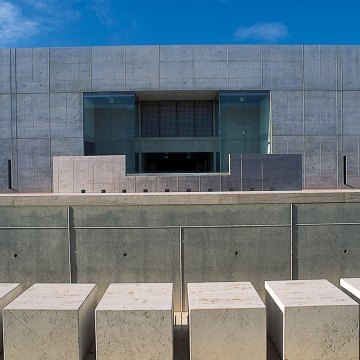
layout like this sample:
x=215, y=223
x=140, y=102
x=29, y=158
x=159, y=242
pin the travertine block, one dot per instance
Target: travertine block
x=135, y=322
x=226, y=321
x=8, y=292
x=50, y=321
x=351, y=287
x=312, y=319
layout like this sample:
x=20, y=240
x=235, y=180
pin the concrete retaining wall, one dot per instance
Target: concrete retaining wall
x=179, y=238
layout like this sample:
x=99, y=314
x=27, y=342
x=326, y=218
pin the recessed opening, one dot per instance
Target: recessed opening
x=236, y=253
x=346, y=251
x=125, y=254
x=272, y=188
x=184, y=162
x=15, y=255
x=103, y=191
x=145, y=190
x=209, y=190
x=252, y=189
x=123, y=191
x=231, y=189
x=9, y=175
x=167, y=190
x=188, y=190
x=82, y=191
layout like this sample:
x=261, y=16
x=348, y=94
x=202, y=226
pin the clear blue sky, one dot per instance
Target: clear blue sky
x=31, y=23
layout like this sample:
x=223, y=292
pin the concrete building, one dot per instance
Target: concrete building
x=186, y=105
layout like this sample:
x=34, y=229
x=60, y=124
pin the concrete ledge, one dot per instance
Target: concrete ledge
x=135, y=322
x=216, y=198
x=312, y=319
x=8, y=292
x=50, y=321
x=226, y=321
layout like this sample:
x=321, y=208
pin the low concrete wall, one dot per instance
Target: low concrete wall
x=179, y=238
x=106, y=174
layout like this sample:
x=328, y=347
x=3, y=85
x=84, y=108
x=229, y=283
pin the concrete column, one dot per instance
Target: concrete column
x=226, y=321
x=50, y=321
x=312, y=319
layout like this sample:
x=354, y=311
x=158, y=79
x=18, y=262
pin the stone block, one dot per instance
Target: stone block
x=312, y=319
x=135, y=321
x=50, y=321
x=226, y=321
x=351, y=286
x=8, y=292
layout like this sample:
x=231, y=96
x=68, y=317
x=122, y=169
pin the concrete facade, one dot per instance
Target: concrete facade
x=315, y=96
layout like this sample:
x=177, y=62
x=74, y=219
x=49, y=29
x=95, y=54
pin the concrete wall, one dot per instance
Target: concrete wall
x=96, y=174
x=179, y=239
x=315, y=95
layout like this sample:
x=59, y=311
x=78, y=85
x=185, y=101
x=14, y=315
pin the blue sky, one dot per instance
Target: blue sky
x=31, y=23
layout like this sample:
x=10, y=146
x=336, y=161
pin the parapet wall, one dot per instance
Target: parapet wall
x=106, y=174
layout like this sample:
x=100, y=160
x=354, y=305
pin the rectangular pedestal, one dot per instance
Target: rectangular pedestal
x=312, y=319
x=226, y=321
x=8, y=292
x=50, y=321
x=135, y=322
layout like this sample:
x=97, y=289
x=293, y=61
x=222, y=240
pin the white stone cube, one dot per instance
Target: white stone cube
x=50, y=321
x=312, y=319
x=8, y=292
x=227, y=321
x=351, y=287
x=135, y=322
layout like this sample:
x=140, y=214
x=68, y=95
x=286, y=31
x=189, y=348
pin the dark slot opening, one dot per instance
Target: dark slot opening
x=9, y=175
x=345, y=170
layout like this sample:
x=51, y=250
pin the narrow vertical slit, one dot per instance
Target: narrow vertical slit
x=345, y=169
x=9, y=175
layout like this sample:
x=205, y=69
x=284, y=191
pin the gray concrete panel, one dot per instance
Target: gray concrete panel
x=178, y=70
x=37, y=216
x=251, y=53
x=5, y=155
x=281, y=53
x=34, y=255
x=245, y=83
x=327, y=213
x=333, y=255
x=189, y=183
x=106, y=256
x=176, y=53
x=166, y=183
x=145, y=184
x=210, y=183
x=208, y=53
x=32, y=110
x=210, y=69
x=155, y=216
x=236, y=254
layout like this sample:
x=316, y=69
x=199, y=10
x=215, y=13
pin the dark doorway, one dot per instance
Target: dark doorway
x=177, y=162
